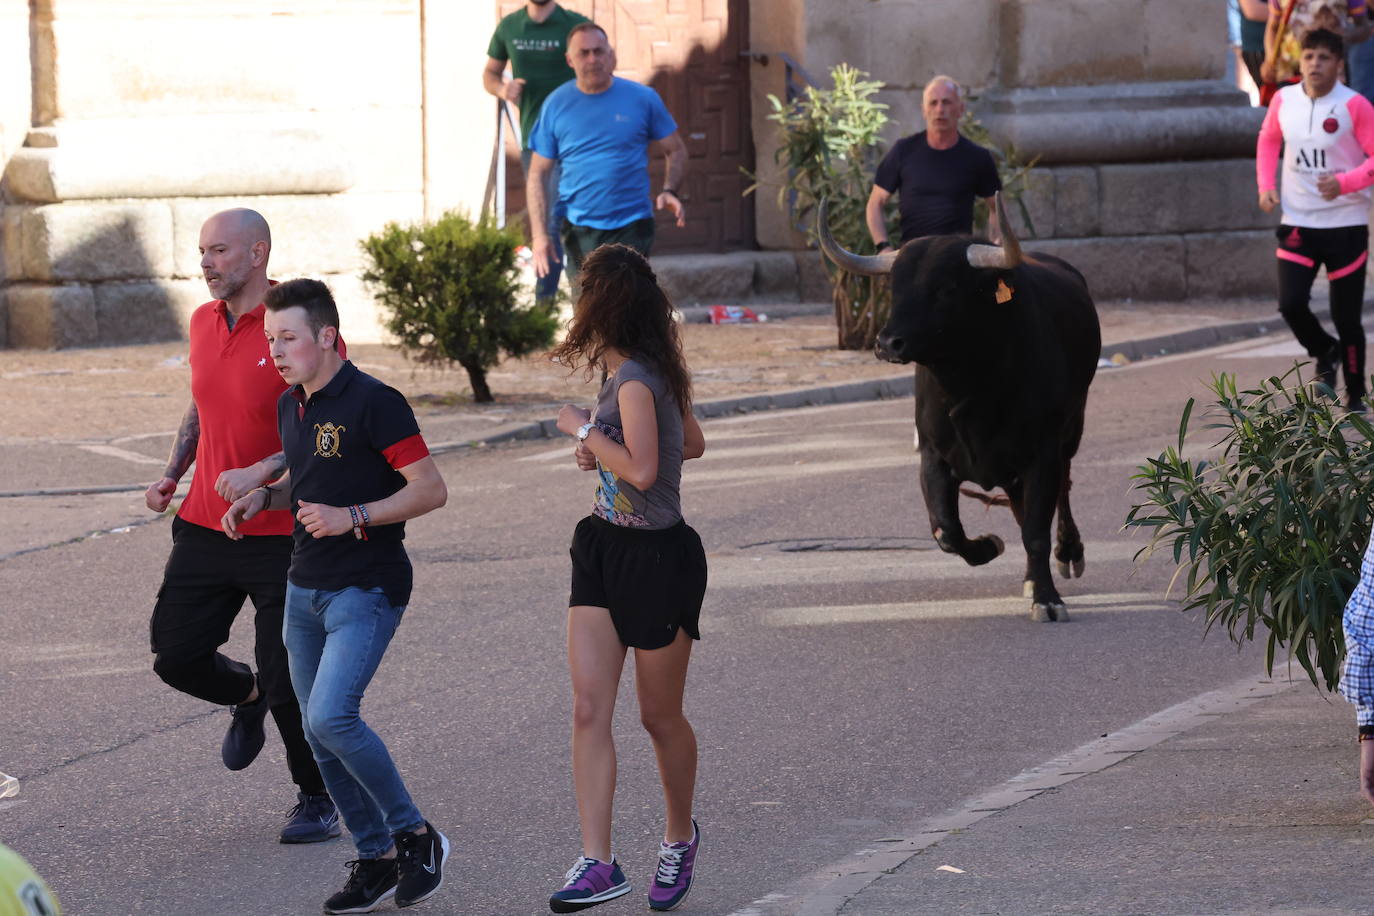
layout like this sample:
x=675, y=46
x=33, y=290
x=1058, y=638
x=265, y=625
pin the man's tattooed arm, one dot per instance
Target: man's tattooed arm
x=184, y=448
x=273, y=466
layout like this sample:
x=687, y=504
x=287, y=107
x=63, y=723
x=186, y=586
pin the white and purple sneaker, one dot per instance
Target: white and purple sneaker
x=672, y=881
x=589, y=882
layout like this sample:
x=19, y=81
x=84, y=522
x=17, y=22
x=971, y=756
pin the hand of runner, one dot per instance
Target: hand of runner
x=1329, y=186
x=159, y=495
x=240, y=511
x=1268, y=200
x=586, y=461
x=513, y=90
x=237, y=482
x=324, y=521
x=571, y=419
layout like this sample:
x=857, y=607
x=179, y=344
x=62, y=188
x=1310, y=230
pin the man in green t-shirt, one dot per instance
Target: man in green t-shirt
x=534, y=41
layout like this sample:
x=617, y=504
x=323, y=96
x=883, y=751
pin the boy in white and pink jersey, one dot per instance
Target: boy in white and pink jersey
x=1326, y=133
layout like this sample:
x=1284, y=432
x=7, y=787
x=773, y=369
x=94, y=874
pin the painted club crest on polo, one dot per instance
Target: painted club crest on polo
x=328, y=438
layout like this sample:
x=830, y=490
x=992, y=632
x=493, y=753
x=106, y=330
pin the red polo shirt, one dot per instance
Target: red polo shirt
x=235, y=387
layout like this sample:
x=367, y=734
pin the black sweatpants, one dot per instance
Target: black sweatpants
x=1343, y=253
x=207, y=578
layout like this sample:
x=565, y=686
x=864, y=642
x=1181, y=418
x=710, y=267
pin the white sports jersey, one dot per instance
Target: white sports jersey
x=1332, y=135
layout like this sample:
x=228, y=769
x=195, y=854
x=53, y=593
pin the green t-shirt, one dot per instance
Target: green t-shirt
x=537, y=54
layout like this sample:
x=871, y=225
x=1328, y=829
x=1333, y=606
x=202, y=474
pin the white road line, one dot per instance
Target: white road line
x=111, y=451
x=783, y=472
x=960, y=609
x=746, y=568
x=840, y=882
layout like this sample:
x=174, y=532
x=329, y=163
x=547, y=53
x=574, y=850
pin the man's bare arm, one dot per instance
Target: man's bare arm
x=494, y=81
x=159, y=495
x=674, y=153
x=874, y=216
x=184, y=448
x=538, y=206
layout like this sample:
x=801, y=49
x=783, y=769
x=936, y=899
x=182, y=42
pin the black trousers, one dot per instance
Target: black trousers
x=1343, y=252
x=580, y=241
x=207, y=578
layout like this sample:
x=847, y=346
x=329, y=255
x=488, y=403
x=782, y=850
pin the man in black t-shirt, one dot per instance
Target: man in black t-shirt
x=357, y=469
x=936, y=173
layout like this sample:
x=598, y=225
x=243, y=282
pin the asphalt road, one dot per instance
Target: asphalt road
x=852, y=680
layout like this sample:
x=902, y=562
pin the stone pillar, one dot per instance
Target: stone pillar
x=307, y=110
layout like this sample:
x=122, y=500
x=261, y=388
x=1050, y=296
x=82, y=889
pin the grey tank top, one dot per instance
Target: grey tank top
x=617, y=501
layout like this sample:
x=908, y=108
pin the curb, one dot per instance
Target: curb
x=901, y=386
x=886, y=388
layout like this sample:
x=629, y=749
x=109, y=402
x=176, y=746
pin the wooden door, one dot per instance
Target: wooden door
x=689, y=51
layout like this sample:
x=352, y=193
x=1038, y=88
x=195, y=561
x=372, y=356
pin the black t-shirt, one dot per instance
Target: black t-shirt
x=935, y=187
x=340, y=447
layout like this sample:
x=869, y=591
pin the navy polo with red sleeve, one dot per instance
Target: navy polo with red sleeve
x=343, y=448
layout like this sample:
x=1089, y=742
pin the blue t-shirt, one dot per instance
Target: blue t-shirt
x=603, y=142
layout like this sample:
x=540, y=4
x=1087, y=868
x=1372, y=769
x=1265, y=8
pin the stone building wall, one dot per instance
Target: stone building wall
x=331, y=117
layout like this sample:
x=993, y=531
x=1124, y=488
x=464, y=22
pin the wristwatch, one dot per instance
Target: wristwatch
x=585, y=430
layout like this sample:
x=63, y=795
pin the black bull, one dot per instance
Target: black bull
x=1005, y=347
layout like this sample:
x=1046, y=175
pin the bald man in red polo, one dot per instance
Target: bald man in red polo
x=230, y=432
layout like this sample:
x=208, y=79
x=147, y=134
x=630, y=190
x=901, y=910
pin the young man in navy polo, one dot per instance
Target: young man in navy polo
x=357, y=469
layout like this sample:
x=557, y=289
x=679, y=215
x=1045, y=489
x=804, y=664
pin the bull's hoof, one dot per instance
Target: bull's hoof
x=1049, y=612
x=1072, y=570
x=984, y=550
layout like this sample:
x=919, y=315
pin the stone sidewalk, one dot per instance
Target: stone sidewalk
x=1243, y=801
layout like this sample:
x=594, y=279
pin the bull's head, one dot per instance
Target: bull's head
x=938, y=282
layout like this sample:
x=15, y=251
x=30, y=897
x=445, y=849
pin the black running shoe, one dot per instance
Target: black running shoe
x=313, y=820
x=420, y=859
x=245, y=737
x=1326, y=367
x=371, y=884
x=1355, y=403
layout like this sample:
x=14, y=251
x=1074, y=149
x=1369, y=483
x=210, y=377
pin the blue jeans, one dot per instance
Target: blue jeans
x=334, y=642
x=547, y=285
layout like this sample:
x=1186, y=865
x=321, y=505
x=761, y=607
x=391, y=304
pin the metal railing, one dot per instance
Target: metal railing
x=495, y=196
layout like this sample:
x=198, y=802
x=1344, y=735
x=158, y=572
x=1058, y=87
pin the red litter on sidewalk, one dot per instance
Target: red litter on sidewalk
x=732, y=314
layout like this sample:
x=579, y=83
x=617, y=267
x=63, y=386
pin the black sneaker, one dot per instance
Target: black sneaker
x=245, y=737
x=371, y=884
x=1326, y=367
x=1355, y=403
x=420, y=859
x=313, y=820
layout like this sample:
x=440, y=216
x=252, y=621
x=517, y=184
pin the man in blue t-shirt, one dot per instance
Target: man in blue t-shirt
x=601, y=129
x=936, y=173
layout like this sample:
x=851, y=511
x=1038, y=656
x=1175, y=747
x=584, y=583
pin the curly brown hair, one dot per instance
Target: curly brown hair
x=623, y=308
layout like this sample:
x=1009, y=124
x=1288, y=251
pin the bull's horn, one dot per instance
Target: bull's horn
x=1005, y=256
x=869, y=265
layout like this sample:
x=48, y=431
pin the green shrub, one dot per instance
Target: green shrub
x=451, y=292
x=1271, y=528
x=829, y=143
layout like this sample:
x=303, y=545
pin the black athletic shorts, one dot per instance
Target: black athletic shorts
x=651, y=580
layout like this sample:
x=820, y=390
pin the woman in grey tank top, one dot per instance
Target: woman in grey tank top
x=638, y=569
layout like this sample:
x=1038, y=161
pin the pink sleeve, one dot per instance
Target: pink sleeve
x=1362, y=119
x=1270, y=143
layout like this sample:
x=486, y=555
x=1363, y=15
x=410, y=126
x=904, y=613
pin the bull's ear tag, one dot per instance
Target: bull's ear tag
x=1003, y=291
